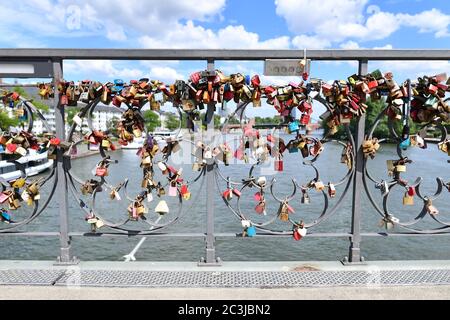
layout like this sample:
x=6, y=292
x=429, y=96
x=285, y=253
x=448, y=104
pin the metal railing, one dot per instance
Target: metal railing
x=50, y=63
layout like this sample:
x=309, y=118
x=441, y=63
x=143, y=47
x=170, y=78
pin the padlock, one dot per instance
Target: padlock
x=305, y=198
x=162, y=208
x=63, y=100
x=137, y=132
x=251, y=231
x=5, y=216
x=246, y=223
x=293, y=127
x=430, y=208
x=173, y=191
x=228, y=194
x=299, y=231
x=400, y=168
x=331, y=190
x=18, y=183
x=101, y=171
x=279, y=165
x=319, y=185
x=261, y=208
x=408, y=200
x=106, y=143
x=161, y=190
x=185, y=192
x=14, y=203
x=4, y=197
x=197, y=166
x=261, y=181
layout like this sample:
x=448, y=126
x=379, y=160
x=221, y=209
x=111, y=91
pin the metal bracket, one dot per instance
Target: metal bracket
x=346, y=262
x=203, y=263
x=72, y=262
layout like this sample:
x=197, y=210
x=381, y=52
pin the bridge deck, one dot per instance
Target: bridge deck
x=230, y=275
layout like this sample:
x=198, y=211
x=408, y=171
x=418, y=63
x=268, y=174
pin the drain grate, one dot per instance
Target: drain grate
x=120, y=278
x=27, y=277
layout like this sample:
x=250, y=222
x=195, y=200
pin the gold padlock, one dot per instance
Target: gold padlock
x=19, y=183
x=319, y=185
x=106, y=144
x=408, y=200
x=400, y=168
x=284, y=212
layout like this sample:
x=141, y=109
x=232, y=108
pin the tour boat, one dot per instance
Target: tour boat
x=34, y=162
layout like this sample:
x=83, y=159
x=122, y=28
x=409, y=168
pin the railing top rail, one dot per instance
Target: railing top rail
x=223, y=54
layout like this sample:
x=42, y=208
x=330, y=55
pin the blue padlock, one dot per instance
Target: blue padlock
x=251, y=231
x=23, y=118
x=2, y=149
x=118, y=85
x=11, y=104
x=6, y=216
x=247, y=80
x=293, y=150
x=405, y=144
x=293, y=127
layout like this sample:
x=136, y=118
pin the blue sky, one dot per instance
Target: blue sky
x=268, y=24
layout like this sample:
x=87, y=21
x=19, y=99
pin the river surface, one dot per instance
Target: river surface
x=429, y=163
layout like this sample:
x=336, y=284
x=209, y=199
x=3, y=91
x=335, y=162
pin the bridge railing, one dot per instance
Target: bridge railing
x=49, y=63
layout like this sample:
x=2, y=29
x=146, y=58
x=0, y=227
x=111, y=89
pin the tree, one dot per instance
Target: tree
x=6, y=121
x=172, y=122
x=38, y=104
x=152, y=120
x=112, y=126
x=374, y=108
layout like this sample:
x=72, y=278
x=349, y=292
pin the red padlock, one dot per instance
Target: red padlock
x=63, y=100
x=101, y=172
x=279, y=165
x=12, y=147
x=55, y=141
x=411, y=191
x=305, y=118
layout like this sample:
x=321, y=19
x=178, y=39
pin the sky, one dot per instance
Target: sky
x=227, y=24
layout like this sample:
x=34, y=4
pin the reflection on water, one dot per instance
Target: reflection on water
x=428, y=163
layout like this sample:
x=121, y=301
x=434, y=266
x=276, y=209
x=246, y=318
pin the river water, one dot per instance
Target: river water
x=429, y=163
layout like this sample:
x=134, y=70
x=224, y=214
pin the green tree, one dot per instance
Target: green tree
x=111, y=126
x=6, y=121
x=38, y=104
x=375, y=107
x=172, y=121
x=152, y=120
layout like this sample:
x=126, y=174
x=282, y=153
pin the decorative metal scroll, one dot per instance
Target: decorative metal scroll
x=424, y=103
x=22, y=192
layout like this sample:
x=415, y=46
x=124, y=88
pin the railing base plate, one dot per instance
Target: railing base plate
x=72, y=262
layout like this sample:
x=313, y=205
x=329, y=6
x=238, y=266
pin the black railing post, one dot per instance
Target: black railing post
x=61, y=189
x=211, y=259
x=358, y=186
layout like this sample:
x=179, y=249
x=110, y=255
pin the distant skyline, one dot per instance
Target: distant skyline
x=195, y=24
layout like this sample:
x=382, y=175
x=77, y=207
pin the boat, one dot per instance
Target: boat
x=136, y=144
x=139, y=142
x=34, y=162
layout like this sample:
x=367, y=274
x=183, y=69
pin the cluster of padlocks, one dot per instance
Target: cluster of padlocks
x=422, y=102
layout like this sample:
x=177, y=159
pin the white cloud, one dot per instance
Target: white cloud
x=310, y=42
x=105, y=68
x=192, y=36
x=323, y=23
x=350, y=45
x=165, y=74
x=111, y=70
x=428, y=21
